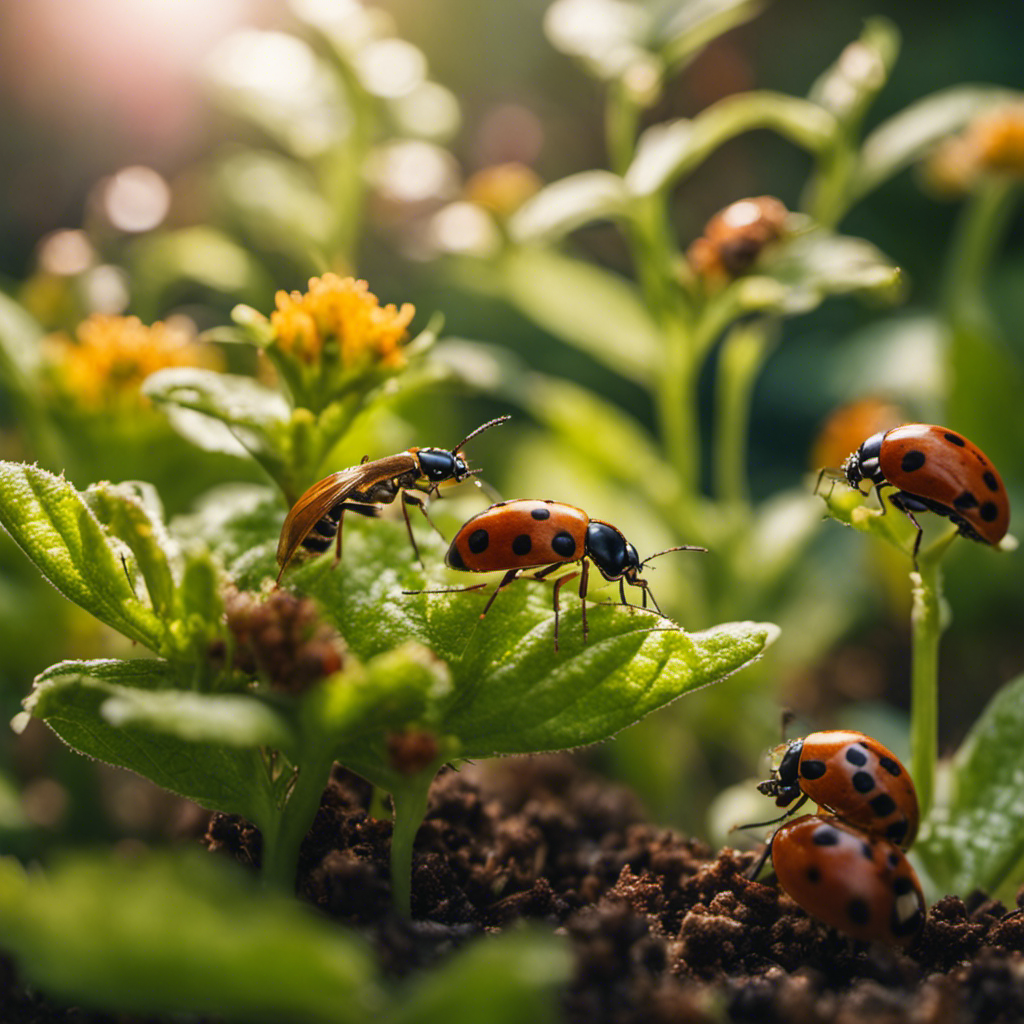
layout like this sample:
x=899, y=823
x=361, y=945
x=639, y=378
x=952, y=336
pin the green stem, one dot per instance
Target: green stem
x=621, y=119
x=743, y=353
x=926, y=627
x=979, y=236
x=283, y=836
x=410, y=801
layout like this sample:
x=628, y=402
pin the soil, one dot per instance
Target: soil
x=662, y=928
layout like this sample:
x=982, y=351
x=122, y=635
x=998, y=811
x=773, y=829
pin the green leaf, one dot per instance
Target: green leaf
x=799, y=273
x=847, y=88
x=697, y=23
x=589, y=308
x=133, y=513
x=74, y=699
x=20, y=354
x=190, y=935
x=976, y=839
x=506, y=979
x=667, y=152
x=511, y=693
x=53, y=525
x=568, y=204
x=607, y=36
x=909, y=135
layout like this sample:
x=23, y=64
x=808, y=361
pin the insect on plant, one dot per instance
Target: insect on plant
x=933, y=469
x=316, y=518
x=529, y=533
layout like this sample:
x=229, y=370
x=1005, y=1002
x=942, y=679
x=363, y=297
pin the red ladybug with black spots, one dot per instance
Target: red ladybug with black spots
x=853, y=776
x=527, y=533
x=862, y=885
x=934, y=469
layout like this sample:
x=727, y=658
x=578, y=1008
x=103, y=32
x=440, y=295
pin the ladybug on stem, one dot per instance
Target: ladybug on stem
x=934, y=469
x=861, y=884
x=533, y=534
x=853, y=776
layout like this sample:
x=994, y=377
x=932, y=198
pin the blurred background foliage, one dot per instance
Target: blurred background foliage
x=198, y=156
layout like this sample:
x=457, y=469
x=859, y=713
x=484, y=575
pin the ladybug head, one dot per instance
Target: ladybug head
x=784, y=784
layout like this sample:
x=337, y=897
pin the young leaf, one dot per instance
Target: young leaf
x=909, y=135
x=126, y=714
x=511, y=693
x=667, y=152
x=699, y=22
x=568, y=204
x=589, y=308
x=54, y=526
x=977, y=839
x=188, y=935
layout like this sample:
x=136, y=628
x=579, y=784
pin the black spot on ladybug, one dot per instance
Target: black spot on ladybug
x=990, y=480
x=541, y=513
x=858, y=911
x=954, y=439
x=812, y=769
x=454, y=559
x=988, y=512
x=902, y=885
x=813, y=874
x=825, y=835
x=522, y=544
x=897, y=832
x=478, y=541
x=863, y=782
x=883, y=805
x=912, y=460
x=891, y=766
x=965, y=501
x=857, y=757
x=866, y=851
x=564, y=544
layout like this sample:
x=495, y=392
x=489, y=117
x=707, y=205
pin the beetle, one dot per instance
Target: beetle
x=860, y=884
x=315, y=519
x=854, y=776
x=934, y=469
x=528, y=533
x=735, y=237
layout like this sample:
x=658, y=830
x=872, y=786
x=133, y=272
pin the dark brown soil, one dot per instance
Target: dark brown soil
x=662, y=929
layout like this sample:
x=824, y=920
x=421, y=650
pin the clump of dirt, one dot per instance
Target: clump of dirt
x=662, y=928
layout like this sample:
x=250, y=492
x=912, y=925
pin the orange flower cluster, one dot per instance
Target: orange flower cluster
x=342, y=315
x=993, y=143
x=110, y=356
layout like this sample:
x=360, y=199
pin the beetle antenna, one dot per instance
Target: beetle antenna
x=484, y=486
x=782, y=817
x=681, y=547
x=480, y=430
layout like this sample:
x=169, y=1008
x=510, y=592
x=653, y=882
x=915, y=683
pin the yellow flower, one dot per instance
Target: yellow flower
x=111, y=356
x=502, y=188
x=340, y=315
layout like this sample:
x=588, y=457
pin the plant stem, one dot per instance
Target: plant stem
x=926, y=627
x=283, y=837
x=410, y=801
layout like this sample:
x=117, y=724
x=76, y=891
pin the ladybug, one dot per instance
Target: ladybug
x=314, y=521
x=527, y=534
x=735, y=237
x=862, y=885
x=934, y=470
x=852, y=775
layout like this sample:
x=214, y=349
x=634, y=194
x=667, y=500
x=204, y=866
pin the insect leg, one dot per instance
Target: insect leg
x=337, y=542
x=415, y=499
x=755, y=869
x=774, y=821
x=584, y=582
x=407, y=500
x=505, y=581
x=559, y=583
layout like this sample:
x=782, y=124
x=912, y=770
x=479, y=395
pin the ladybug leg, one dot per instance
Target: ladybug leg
x=908, y=505
x=559, y=583
x=505, y=581
x=755, y=869
x=584, y=586
x=774, y=821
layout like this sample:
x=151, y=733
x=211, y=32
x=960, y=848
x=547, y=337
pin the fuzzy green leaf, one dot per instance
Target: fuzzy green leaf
x=589, y=308
x=53, y=525
x=976, y=839
x=181, y=935
x=137, y=715
x=568, y=204
x=511, y=693
x=909, y=135
x=667, y=152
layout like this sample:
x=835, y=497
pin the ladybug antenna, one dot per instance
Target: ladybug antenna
x=480, y=430
x=833, y=474
x=786, y=720
x=681, y=547
x=485, y=487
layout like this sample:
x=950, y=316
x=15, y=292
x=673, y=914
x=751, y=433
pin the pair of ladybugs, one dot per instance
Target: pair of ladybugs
x=847, y=867
x=511, y=536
